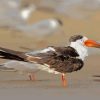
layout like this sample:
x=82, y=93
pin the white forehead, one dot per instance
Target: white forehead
x=84, y=38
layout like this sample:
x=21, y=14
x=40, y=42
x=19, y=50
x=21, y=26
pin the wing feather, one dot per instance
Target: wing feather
x=52, y=52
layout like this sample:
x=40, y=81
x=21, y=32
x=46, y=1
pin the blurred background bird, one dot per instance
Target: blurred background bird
x=15, y=16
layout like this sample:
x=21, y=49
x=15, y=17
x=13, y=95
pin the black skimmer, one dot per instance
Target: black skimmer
x=56, y=60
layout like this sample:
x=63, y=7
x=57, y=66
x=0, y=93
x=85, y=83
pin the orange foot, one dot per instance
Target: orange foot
x=31, y=76
x=64, y=81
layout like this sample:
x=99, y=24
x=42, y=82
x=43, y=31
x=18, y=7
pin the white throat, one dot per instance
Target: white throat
x=80, y=48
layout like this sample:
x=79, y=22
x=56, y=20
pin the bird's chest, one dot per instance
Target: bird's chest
x=82, y=52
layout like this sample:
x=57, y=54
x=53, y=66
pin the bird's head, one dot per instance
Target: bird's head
x=27, y=10
x=84, y=41
x=81, y=43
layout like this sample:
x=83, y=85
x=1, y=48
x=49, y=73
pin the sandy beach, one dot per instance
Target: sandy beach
x=81, y=85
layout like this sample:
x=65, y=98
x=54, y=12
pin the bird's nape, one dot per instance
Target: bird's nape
x=75, y=38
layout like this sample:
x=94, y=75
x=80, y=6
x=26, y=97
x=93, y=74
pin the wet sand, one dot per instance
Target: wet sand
x=81, y=85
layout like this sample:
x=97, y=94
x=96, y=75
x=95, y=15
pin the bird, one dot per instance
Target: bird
x=14, y=16
x=41, y=28
x=53, y=59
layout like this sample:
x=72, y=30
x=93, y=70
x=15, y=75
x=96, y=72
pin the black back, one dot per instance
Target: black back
x=63, y=59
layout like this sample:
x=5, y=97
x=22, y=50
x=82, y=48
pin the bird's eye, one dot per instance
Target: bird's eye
x=81, y=40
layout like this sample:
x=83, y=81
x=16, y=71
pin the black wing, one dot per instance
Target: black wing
x=11, y=54
x=66, y=51
x=61, y=59
x=53, y=52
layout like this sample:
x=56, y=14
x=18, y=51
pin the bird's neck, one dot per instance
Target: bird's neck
x=81, y=49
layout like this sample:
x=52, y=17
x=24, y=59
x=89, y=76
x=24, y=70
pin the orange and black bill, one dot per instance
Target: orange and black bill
x=92, y=43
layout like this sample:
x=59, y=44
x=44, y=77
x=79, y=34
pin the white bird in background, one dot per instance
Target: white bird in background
x=11, y=13
x=13, y=16
x=27, y=10
x=20, y=67
x=41, y=28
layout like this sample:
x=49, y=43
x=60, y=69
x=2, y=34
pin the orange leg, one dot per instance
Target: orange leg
x=31, y=76
x=64, y=81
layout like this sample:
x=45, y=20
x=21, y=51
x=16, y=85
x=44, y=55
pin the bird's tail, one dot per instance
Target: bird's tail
x=11, y=54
